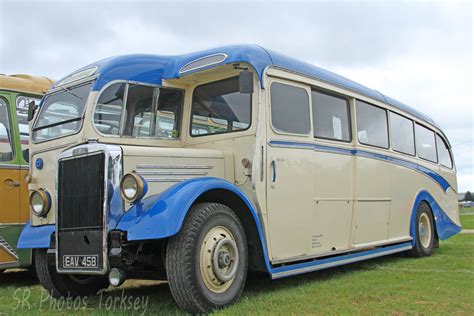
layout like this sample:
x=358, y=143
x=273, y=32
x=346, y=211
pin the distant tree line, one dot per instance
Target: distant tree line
x=468, y=196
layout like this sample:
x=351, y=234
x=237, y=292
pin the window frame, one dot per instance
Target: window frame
x=12, y=141
x=270, y=115
x=190, y=126
x=59, y=89
x=389, y=143
x=436, y=148
x=349, y=114
x=123, y=112
x=449, y=151
x=413, y=122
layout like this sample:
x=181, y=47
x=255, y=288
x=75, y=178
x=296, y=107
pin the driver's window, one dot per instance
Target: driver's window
x=6, y=148
x=219, y=107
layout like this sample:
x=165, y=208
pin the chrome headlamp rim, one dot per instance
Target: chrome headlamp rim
x=45, y=198
x=140, y=184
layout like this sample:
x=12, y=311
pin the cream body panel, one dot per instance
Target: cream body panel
x=333, y=199
x=163, y=167
x=372, y=199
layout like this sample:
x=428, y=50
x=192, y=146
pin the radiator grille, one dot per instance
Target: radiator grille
x=81, y=192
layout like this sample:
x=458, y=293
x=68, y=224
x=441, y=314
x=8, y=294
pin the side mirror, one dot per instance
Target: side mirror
x=246, y=81
x=31, y=110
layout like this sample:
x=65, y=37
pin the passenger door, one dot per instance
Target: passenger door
x=9, y=186
x=289, y=170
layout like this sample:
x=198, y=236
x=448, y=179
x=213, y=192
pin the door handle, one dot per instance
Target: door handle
x=10, y=183
x=274, y=174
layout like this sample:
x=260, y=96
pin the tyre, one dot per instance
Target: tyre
x=206, y=262
x=425, y=235
x=65, y=285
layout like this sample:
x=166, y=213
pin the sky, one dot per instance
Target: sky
x=419, y=52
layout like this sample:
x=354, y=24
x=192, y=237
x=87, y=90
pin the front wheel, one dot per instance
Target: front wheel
x=425, y=236
x=65, y=285
x=206, y=262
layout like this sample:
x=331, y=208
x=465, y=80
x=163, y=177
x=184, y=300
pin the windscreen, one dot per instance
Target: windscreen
x=61, y=113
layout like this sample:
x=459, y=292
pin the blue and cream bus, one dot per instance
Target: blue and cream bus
x=197, y=168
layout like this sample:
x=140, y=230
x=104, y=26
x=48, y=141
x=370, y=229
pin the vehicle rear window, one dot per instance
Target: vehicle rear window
x=371, y=125
x=290, y=109
x=443, y=152
x=402, y=134
x=330, y=116
x=425, y=143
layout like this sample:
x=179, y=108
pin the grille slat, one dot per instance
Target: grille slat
x=81, y=192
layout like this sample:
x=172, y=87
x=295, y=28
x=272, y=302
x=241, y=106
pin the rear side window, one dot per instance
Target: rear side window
x=371, y=125
x=290, y=109
x=403, y=136
x=330, y=116
x=219, y=107
x=443, y=152
x=425, y=143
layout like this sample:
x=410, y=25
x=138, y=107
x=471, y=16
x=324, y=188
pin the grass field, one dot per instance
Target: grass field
x=467, y=217
x=441, y=284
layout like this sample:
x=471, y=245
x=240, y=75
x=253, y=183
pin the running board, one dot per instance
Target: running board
x=315, y=265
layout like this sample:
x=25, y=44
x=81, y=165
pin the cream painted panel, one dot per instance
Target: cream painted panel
x=163, y=167
x=371, y=221
x=332, y=226
x=290, y=201
x=333, y=201
x=373, y=195
x=405, y=185
x=45, y=179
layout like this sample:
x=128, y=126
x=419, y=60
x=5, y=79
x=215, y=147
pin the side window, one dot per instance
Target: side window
x=425, y=143
x=290, y=109
x=108, y=110
x=22, y=103
x=371, y=125
x=330, y=116
x=219, y=107
x=443, y=152
x=402, y=134
x=6, y=150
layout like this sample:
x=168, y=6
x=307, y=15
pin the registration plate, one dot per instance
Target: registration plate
x=79, y=261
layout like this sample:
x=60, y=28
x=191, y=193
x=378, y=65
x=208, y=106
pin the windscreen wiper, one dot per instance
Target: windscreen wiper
x=37, y=128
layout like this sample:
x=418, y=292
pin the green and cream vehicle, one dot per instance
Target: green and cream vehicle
x=197, y=168
x=16, y=93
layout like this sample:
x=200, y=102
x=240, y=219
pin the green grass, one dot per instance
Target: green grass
x=467, y=217
x=438, y=285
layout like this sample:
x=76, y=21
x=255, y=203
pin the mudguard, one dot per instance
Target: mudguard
x=445, y=227
x=161, y=215
x=33, y=237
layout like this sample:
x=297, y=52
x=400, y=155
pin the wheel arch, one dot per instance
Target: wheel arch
x=444, y=227
x=162, y=215
x=244, y=213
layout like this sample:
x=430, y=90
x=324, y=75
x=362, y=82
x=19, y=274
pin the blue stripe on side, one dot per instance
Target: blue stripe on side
x=362, y=153
x=315, y=263
x=445, y=227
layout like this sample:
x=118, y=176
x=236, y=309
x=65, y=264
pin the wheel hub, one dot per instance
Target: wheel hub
x=219, y=259
x=424, y=230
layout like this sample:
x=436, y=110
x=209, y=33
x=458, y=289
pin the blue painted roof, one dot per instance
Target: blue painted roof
x=154, y=68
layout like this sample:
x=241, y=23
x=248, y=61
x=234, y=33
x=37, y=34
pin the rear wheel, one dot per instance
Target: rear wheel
x=425, y=238
x=65, y=285
x=206, y=262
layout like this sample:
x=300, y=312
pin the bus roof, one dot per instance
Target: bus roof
x=25, y=83
x=154, y=68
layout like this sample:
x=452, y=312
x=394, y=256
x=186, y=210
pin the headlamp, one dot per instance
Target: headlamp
x=133, y=187
x=40, y=202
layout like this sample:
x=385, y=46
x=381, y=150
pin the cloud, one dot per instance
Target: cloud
x=417, y=52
